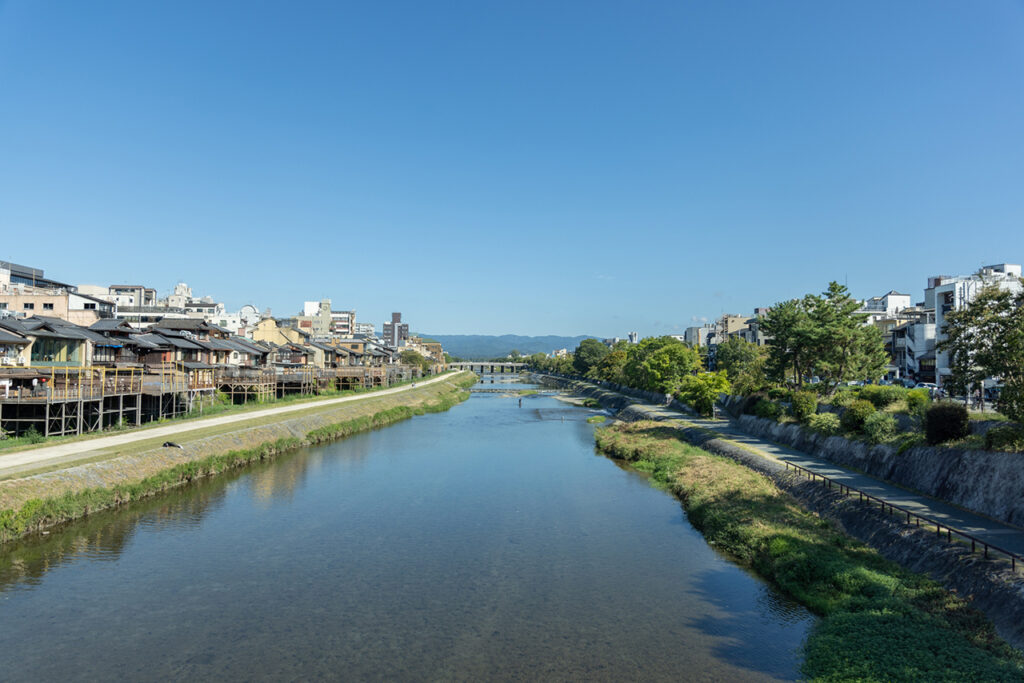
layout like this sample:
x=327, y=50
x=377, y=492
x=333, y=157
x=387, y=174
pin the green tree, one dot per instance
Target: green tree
x=985, y=339
x=413, y=358
x=588, y=354
x=611, y=367
x=790, y=340
x=702, y=390
x=843, y=346
x=824, y=336
x=659, y=363
x=734, y=353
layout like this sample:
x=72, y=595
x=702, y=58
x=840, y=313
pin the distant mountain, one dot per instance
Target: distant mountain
x=486, y=346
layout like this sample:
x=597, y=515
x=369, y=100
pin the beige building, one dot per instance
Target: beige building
x=267, y=330
x=54, y=303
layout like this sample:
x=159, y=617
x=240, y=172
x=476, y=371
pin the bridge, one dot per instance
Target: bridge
x=488, y=367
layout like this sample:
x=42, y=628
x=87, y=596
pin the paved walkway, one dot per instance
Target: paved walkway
x=14, y=461
x=993, y=532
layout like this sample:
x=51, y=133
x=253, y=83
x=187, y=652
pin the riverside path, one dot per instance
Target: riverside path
x=21, y=461
x=991, y=531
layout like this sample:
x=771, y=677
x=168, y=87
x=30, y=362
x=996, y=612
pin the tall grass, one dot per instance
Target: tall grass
x=878, y=622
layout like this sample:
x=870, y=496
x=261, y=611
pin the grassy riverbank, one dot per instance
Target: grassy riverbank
x=39, y=513
x=878, y=622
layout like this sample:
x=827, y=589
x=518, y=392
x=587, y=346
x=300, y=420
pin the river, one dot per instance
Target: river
x=487, y=542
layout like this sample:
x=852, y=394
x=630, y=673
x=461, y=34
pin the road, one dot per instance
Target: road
x=11, y=462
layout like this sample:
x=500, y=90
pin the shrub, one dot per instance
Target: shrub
x=750, y=402
x=824, y=423
x=918, y=401
x=804, y=405
x=779, y=394
x=33, y=435
x=946, y=421
x=1008, y=438
x=768, y=409
x=881, y=395
x=855, y=415
x=879, y=427
x=843, y=398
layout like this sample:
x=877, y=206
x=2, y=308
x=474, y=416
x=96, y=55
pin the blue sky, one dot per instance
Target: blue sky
x=517, y=167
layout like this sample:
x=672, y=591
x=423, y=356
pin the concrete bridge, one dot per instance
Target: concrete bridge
x=487, y=367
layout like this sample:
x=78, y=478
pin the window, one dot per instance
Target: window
x=3, y=306
x=90, y=307
x=29, y=307
x=47, y=307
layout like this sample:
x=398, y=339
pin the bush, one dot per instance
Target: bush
x=804, y=404
x=879, y=427
x=946, y=421
x=1008, y=438
x=843, y=398
x=33, y=435
x=855, y=415
x=918, y=401
x=881, y=395
x=750, y=403
x=768, y=409
x=824, y=423
x=779, y=394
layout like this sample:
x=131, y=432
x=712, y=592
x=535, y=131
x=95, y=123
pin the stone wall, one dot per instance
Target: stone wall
x=981, y=481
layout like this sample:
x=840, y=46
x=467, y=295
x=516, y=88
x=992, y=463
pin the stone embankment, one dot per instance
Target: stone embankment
x=72, y=492
x=988, y=483
x=992, y=587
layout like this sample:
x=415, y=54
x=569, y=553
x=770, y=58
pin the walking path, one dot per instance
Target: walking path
x=13, y=461
x=993, y=532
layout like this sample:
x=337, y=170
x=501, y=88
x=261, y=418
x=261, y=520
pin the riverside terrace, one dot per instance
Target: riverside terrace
x=59, y=379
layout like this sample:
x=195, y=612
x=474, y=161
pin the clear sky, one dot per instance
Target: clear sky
x=512, y=167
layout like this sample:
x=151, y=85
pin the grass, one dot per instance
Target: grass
x=878, y=621
x=38, y=513
x=590, y=403
x=527, y=392
x=596, y=419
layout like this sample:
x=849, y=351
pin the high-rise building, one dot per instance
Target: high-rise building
x=395, y=331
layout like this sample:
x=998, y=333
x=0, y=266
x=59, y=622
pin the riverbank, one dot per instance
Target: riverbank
x=879, y=621
x=33, y=503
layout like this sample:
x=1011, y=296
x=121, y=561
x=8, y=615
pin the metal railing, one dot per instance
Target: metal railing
x=911, y=517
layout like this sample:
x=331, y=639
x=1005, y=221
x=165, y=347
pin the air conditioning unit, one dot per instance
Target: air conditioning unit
x=6, y=361
x=21, y=360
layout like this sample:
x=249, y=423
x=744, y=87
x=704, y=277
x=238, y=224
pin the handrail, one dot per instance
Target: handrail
x=917, y=518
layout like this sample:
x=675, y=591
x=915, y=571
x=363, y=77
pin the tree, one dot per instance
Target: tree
x=824, y=336
x=843, y=346
x=413, y=358
x=702, y=390
x=588, y=354
x=790, y=339
x=735, y=353
x=986, y=339
x=610, y=369
x=659, y=363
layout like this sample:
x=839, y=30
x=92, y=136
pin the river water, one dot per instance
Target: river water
x=487, y=542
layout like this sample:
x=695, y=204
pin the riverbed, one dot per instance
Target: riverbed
x=486, y=542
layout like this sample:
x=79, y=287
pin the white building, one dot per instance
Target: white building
x=946, y=293
x=698, y=336
x=886, y=306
